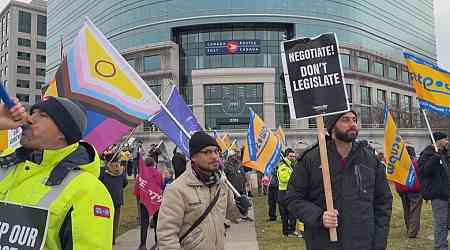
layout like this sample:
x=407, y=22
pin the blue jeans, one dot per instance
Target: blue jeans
x=440, y=221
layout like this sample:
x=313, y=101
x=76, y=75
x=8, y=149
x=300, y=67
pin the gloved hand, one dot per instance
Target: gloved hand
x=243, y=204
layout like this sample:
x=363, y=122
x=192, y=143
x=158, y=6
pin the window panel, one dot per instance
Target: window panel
x=363, y=64
x=24, y=22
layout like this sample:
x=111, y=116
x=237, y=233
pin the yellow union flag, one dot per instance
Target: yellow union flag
x=398, y=164
x=262, y=150
x=432, y=84
x=281, y=138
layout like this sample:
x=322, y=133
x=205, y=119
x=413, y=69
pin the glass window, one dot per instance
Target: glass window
x=40, y=45
x=24, y=42
x=41, y=25
x=407, y=103
x=226, y=104
x=40, y=72
x=132, y=63
x=23, y=69
x=23, y=98
x=41, y=58
x=37, y=98
x=39, y=85
x=393, y=73
x=23, y=56
x=24, y=22
x=405, y=76
x=378, y=68
x=152, y=62
x=363, y=64
x=395, y=100
x=365, y=95
x=381, y=96
x=349, y=92
x=345, y=61
x=23, y=83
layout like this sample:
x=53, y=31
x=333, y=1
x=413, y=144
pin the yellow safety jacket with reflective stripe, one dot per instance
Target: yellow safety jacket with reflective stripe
x=284, y=174
x=81, y=209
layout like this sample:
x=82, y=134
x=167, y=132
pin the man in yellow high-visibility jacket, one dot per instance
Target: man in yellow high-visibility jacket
x=54, y=170
x=284, y=174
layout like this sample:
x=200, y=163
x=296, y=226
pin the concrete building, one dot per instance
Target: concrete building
x=23, y=32
x=185, y=43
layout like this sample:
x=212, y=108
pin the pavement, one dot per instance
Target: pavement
x=239, y=236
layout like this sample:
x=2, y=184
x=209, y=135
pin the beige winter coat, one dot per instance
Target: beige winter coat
x=183, y=202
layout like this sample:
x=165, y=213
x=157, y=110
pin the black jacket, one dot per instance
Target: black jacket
x=361, y=195
x=235, y=174
x=115, y=185
x=432, y=174
x=179, y=163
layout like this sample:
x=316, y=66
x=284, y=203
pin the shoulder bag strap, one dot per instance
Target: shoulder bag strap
x=203, y=216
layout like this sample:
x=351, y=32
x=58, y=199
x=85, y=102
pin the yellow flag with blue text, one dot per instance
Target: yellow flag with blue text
x=399, y=167
x=431, y=82
x=281, y=138
x=262, y=151
x=226, y=140
x=220, y=142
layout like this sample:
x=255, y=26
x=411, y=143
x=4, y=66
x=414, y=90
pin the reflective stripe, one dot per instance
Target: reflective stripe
x=55, y=191
x=5, y=172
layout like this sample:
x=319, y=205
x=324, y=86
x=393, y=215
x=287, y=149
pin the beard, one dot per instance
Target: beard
x=347, y=136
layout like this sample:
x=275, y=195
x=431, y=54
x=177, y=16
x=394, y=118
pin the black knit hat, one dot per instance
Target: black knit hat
x=67, y=116
x=201, y=140
x=331, y=120
x=439, y=135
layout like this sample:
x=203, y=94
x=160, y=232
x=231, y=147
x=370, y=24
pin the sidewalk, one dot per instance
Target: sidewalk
x=239, y=236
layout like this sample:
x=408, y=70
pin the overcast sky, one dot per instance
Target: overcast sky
x=442, y=12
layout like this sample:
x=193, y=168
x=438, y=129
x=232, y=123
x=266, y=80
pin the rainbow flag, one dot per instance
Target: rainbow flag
x=431, y=84
x=399, y=167
x=262, y=150
x=114, y=96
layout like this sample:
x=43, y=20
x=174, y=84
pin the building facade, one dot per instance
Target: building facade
x=225, y=55
x=23, y=32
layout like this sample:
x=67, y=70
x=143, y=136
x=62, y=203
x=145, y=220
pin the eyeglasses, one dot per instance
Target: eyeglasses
x=210, y=151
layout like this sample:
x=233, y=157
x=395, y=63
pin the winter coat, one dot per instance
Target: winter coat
x=115, y=185
x=178, y=163
x=284, y=172
x=235, y=174
x=183, y=202
x=432, y=174
x=361, y=195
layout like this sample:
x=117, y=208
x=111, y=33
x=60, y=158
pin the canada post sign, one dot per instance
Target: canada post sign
x=226, y=47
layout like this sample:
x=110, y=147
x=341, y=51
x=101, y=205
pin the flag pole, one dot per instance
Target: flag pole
x=325, y=171
x=429, y=129
x=122, y=144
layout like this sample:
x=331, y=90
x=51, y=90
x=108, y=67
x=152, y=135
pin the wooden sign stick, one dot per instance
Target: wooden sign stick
x=325, y=171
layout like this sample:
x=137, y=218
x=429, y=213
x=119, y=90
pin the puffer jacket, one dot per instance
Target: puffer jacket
x=361, y=195
x=183, y=203
x=433, y=174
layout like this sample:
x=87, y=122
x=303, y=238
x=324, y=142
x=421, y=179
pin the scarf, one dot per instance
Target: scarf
x=208, y=180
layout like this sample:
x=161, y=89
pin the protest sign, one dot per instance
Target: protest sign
x=313, y=76
x=315, y=87
x=22, y=227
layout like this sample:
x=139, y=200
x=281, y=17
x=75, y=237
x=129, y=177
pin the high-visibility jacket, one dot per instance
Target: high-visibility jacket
x=284, y=174
x=66, y=182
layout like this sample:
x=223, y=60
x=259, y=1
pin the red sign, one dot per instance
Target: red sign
x=148, y=187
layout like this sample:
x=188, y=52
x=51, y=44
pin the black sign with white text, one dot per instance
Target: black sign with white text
x=313, y=76
x=22, y=227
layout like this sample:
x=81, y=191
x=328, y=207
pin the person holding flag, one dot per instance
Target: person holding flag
x=194, y=207
x=411, y=198
x=361, y=194
x=434, y=175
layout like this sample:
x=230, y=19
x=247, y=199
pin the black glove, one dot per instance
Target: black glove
x=243, y=204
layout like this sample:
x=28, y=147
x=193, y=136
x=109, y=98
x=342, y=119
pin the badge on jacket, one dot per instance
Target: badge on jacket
x=101, y=211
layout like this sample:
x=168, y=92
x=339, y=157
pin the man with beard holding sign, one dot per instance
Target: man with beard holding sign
x=361, y=194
